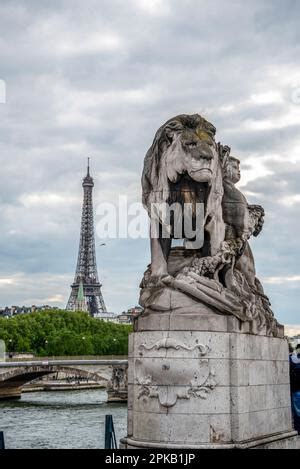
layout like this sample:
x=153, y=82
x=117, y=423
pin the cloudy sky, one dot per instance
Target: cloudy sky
x=97, y=78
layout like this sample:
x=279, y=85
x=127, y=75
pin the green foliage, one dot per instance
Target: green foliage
x=59, y=332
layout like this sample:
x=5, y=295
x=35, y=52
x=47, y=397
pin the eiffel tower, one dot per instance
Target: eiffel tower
x=86, y=288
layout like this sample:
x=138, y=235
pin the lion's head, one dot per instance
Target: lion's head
x=184, y=152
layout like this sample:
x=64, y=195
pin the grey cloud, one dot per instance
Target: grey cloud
x=65, y=104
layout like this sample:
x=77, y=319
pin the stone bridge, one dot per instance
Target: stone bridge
x=14, y=375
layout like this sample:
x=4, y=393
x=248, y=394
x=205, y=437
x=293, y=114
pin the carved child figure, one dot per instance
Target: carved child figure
x=239, y=218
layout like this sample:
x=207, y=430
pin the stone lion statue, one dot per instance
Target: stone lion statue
x=186, y=167
x=183, y=166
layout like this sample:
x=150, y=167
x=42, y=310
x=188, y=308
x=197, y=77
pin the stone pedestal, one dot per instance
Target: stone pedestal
x=202, y=381
x=117, y=387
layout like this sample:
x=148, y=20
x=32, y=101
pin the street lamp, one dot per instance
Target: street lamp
x=10, y=354
x=46, y=344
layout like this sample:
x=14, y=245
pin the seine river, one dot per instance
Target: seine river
x=63, y=419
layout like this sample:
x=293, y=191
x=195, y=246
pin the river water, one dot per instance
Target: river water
x=63, y=419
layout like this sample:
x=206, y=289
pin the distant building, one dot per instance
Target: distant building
x=128, y=316
x=10, y=311
x=107, y=317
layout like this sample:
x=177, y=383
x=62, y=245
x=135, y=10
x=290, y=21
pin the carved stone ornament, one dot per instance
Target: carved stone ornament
x=171, y=343
x=201, y=381
x=197, y=380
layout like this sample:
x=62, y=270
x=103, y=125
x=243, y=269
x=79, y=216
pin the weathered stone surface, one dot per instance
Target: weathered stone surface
x=130, y=345
x=292, y=442
x=177, y=378
x=246, y=346
x=262, y=423
x=130, y=410
x=285, y=440
x=173, y=371
x=216, y=402
x=181, y=344
x=258, y=398
x=254, y=372
x=168, y=428
x=187, y=321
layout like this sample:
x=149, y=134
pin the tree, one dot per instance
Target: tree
x=60, y=332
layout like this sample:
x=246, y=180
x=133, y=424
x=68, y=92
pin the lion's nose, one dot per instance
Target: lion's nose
x=202, y=152
x=205, y=150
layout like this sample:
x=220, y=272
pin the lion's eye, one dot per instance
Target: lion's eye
x=191, y=144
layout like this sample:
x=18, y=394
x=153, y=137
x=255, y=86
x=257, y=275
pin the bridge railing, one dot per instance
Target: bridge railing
x=66, y=357
x=10, y=364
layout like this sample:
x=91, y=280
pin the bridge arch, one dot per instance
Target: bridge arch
x=12, y=380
